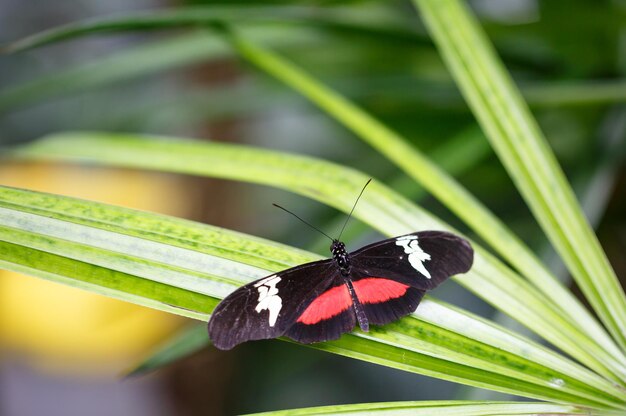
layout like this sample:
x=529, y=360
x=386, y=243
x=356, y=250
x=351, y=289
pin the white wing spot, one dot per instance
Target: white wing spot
x=417, y=256
x=268, y=298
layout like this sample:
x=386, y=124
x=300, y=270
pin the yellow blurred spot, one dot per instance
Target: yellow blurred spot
x=67, y=329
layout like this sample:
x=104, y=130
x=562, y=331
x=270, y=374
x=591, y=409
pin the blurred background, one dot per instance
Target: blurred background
x=64, y=352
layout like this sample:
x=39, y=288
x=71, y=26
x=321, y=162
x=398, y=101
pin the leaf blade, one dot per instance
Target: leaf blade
x=526, y=155
x=439, y=408
x=383, y=208
x=376, y=21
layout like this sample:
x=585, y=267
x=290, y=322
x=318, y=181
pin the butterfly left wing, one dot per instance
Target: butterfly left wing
x=390, y=277
x=327, y=317
x=268, y=307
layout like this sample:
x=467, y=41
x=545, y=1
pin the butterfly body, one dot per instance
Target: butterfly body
x=319, y=301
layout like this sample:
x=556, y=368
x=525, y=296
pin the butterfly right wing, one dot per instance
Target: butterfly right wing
x=268, y=307
x=421, y=260
x=391, y=276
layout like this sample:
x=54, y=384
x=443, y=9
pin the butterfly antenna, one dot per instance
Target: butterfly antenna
x=307, y=223
x=352, y=210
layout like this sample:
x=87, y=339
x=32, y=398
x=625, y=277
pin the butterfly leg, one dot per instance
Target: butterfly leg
x=358, y=308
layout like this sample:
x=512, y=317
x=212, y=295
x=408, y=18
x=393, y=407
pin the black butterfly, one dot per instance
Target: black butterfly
x=319, y=301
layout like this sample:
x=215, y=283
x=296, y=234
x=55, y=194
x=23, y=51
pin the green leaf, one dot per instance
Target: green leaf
x=178, y=51
x=375, y=21
x=183, y=344
x=440, y=408
x=593, y=184
x=576, y=93
x=523, y=150
x=382, y=208
x=140, y=61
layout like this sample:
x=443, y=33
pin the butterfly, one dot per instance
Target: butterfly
x=321, y=300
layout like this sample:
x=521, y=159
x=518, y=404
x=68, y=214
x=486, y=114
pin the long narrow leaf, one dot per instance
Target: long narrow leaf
x=182, y=267
x=439, y=408
x=185, y=343
x=139, y=61
x=375, y=21
x=151, y=58
x=521, y=146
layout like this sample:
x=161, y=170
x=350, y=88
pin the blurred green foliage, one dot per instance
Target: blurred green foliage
x=567, y=57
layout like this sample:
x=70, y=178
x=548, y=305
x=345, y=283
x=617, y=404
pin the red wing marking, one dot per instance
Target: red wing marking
x=377, y=290
x=336, y=300
x=325, y=306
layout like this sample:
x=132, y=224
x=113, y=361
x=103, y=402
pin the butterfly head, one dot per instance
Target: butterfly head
x=337, y=247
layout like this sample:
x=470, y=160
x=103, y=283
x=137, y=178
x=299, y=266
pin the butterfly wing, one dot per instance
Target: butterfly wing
x=268, y=307
x=385, y=300
x=390, y=277
x=422, y=260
